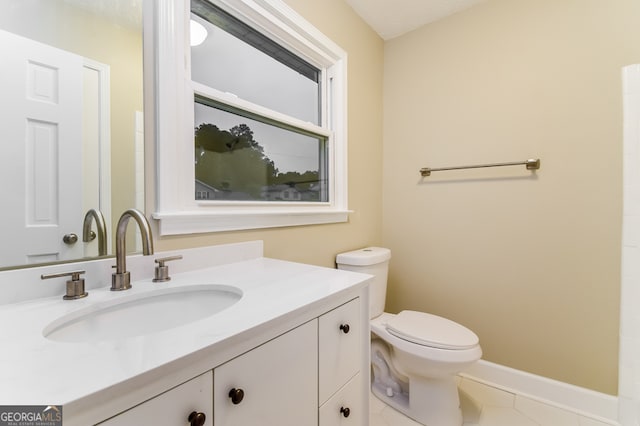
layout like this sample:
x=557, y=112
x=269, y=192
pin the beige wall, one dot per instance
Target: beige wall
x=319, y=244
x=530, y=262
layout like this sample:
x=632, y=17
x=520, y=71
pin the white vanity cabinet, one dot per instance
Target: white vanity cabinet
x=340, y=360
x=288, y=379
x=340, y=347
x=309, y=376
x=273, y=384
x=345, y=407
x=187, y=404
x=285, y=343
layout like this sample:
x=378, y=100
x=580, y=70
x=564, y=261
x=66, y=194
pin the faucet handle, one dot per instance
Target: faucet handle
x=75, y=286
x=162, y=271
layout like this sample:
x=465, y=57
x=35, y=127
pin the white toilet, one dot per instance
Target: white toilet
x=414, y=355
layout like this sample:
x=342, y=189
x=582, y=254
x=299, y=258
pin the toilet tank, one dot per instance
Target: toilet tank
x=373, y=261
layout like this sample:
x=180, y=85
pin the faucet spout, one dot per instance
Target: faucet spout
x=121, y=279
x=96, y=215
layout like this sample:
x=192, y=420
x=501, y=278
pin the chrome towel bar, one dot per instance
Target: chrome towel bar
x=531, y=164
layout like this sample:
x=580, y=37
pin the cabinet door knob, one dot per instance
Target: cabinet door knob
x=236, y=395
x=345, y=328
x=196, y=418
x=345, y=411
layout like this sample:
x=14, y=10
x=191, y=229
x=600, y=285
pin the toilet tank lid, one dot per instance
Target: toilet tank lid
x=364, y=257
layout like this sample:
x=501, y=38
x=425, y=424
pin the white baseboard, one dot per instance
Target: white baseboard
x=582, y=401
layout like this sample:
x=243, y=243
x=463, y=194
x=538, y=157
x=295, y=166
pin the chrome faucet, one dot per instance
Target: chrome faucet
x=101, y=228
x=121, y=279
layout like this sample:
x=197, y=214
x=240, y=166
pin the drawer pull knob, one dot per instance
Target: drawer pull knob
x=196, y=419
x=345, y=328
x=236, y=395
x=345, y=411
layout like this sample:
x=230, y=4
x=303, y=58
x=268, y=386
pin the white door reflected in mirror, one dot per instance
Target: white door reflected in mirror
x=42, y=106
x=48, y=188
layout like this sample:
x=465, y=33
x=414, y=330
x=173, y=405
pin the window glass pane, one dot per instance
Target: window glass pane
x=235, y=58
x=245, y=159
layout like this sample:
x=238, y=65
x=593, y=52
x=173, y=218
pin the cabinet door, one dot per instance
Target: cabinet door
x=339, y=336
x=344, y=408
x=172, y=407
x=275, y=384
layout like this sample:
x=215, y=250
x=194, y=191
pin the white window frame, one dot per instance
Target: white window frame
x=176, y=209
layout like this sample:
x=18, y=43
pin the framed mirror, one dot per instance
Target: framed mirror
x=71, y=123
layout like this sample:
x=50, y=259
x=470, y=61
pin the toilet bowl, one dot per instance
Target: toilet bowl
x=424, y=375
x=414, y=355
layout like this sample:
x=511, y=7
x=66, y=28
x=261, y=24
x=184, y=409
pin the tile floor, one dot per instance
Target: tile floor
x=487, y=406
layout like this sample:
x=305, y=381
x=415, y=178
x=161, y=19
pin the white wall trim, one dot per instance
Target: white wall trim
x=103, y=72
x=582, y=401
x=628, y=367
x=179, y=223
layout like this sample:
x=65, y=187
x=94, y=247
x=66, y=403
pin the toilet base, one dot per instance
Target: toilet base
x=431, y=402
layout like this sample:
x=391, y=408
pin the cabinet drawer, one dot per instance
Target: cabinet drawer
x=172, y=407
x=344, y=408
x=275, y=384
x=340, y=347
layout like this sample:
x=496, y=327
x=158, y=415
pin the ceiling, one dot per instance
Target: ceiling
x=126, y=13
x=391, y=18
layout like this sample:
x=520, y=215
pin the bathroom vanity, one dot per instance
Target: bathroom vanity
x=289, y=346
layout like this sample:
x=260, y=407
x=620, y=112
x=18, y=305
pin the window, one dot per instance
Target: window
x=235, y=58
x=260, y=140
x=247, y=159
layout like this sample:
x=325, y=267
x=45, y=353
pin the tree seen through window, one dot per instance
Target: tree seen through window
x=232, y=165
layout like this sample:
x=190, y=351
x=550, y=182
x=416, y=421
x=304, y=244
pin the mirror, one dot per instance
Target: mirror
x=71, y=124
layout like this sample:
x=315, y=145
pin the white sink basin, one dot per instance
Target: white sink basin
x=143, y=313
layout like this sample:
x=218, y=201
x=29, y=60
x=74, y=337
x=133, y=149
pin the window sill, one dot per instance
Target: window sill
x=192, y=222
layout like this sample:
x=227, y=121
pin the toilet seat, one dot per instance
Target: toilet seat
x=431, y=330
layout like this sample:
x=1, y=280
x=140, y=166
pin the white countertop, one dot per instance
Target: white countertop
x=37, y=371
